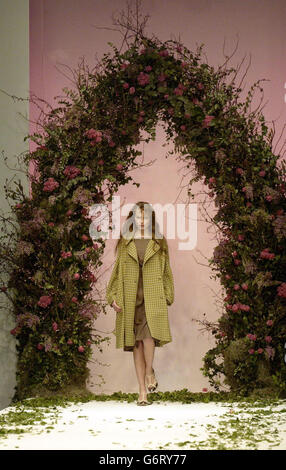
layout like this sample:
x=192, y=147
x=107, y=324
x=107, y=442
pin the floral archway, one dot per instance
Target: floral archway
x=86, y=142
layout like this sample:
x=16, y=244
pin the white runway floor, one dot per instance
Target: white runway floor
x=163, y=425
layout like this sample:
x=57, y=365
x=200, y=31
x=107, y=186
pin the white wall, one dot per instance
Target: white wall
x=14, y=80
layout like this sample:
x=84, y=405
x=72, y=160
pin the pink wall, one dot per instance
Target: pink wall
x=61, y=32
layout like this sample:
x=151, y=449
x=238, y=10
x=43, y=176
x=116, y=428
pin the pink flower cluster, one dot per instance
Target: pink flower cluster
x=244, y=286
x=238, y=306
x=270, y=351
x=162, y=77
x=45, y=301
x=208, y=119
x=50, y=184
x=266, y=255
x=66, y=254
x=94, y=136
x=71, y=171
x=281, y=290
x=252, y=337
x=164, y=53
x=179, y=90
x=252, y=351
x=143, y=78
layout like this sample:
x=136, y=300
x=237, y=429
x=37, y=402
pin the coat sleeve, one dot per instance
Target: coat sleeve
x=168, y=280
x=113, y=281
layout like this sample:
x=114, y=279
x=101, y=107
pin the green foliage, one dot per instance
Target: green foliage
x=86, y=143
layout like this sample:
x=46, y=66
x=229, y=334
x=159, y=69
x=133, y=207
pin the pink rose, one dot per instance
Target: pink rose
x=45, y=301
x=252, y=337
x=207, y=120
x=81, y=349
x=76, y=276
x=162, y=77
x=281, y=290
x=178, y=91
x=164, y=53
x=71, y=171
x=268, y=339
x=50, y=185
x=269, y=322
x=143, y=78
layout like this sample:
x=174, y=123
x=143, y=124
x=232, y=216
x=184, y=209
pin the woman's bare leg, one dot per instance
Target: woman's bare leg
x=140, y=366
x=149, y=348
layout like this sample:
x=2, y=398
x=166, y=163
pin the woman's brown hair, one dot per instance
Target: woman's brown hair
x=155, y=226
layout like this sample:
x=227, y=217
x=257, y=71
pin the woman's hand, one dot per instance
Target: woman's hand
x=116, y=307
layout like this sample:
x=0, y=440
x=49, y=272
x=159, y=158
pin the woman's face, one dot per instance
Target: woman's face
x=142, y=219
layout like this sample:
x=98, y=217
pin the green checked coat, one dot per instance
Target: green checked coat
x=158, y=286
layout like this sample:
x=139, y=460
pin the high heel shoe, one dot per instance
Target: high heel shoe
x=144, y=401
x=152, y=383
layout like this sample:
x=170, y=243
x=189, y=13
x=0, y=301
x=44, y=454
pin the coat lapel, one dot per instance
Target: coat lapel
x=151, y=249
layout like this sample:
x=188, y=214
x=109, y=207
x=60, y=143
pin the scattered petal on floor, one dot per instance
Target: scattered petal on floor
x=162, y=425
